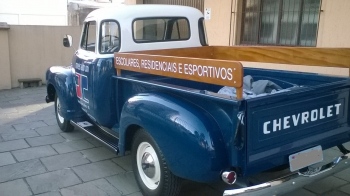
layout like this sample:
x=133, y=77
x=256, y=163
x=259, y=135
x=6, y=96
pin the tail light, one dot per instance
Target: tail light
x=229, y=177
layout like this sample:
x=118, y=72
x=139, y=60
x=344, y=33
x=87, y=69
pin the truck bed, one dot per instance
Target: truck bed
x=260, y=133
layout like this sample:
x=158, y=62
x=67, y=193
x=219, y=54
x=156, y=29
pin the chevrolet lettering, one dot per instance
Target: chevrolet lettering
x=301, y=118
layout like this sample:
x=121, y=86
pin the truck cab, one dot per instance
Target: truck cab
x=106, y=31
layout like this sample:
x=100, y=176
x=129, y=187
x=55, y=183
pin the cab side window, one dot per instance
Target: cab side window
x=109, y=37
x=89, y=36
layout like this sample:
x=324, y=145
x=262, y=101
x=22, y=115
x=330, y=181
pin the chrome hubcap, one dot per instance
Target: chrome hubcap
x=148, y=165
x=58, y=105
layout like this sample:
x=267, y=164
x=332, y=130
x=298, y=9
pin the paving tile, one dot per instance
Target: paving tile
x=345, y=189
x=193, y=188
x=94, y=188
x=99, y=154
x=33, y=107
x=9, y=110
x=52, y=181
x=33, y=153
x=45, y=140
x=6, y=129
x=18, y=115
x=49, y=130
x=13, y=145
x=325, y=185
x=347, y=145
x=15, y=121
x=301, y=192
x=125, y=162
x=76, y=135
x=124, y=182
x=47, y=107
x=94, y=141
x=41, y=117
x=72, y=146
x=64, y=161
x=19, y=135
x=97, y=170
x=16, y=187
x=7, y=99
x=136, y=194
x=7, y=104
x=6, y=159
x=344, y=175
x=16, y=92
x=50, y=121
x=53, y=193
x=32, y=95
x=20, y=170
x=330, y=154
x=335, y=193
x=29, y=125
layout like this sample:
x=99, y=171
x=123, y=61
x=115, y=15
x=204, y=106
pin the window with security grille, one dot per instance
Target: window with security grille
x=280, y=22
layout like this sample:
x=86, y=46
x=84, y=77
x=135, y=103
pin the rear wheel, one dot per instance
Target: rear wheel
x=63, y=123
x=150, y=168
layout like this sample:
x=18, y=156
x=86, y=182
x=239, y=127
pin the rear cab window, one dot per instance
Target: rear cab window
x=202, y=34
x=161, y=29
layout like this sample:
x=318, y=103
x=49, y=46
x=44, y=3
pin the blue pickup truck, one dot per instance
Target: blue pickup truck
x=147, y=82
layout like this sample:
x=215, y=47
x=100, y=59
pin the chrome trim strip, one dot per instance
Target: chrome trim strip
x=310, y=172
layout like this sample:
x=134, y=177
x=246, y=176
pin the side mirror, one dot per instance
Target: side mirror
x=67, y=41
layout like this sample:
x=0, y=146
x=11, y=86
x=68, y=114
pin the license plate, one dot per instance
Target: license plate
x=305, y=158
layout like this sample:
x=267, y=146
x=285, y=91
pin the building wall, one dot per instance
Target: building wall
x=219, y=25
x=224, y=28
x=5, y=77
x=334, y=26
x=33, y=49
x=133, y=2
x=33, y=12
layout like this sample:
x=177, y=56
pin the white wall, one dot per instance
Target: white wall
x=33, y=12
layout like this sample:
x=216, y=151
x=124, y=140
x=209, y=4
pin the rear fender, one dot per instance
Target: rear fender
x=188, y=136
x=61, y=79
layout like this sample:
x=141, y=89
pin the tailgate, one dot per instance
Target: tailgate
x=284, y=124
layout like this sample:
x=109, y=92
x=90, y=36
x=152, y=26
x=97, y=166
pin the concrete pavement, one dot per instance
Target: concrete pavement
x=36, y=158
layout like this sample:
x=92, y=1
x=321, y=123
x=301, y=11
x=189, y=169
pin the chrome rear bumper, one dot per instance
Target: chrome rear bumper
x=297, y=178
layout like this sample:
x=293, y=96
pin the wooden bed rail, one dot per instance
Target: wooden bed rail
x=221, y=65
x=311, y=56
x=212, y=71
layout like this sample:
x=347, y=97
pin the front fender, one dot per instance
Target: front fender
x=189, y=138
x=61, y=79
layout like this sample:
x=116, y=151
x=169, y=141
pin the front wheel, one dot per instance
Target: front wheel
x=150, y=168
x=63, y=123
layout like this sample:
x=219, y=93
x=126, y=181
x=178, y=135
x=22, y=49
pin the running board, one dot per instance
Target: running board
x=97, y=133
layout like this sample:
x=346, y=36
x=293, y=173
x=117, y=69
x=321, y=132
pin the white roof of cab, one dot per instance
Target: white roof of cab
x=143, y=10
